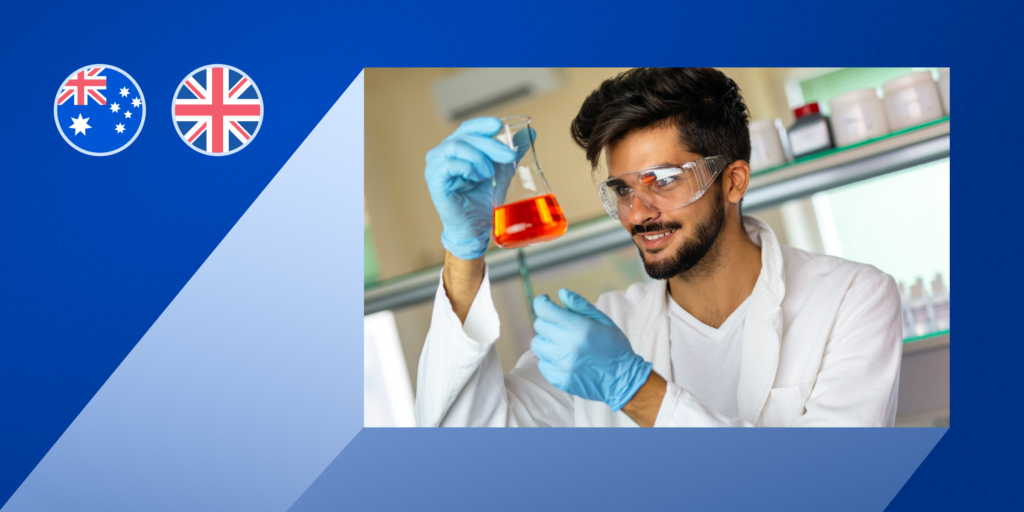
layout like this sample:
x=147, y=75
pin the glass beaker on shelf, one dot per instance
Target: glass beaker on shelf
x=525, y=209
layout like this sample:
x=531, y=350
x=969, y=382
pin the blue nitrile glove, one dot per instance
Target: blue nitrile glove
x=460, y=174
x=582, y=352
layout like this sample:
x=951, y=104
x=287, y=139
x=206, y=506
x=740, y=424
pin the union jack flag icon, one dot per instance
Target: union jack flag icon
x=217, y=110
x=83, y=85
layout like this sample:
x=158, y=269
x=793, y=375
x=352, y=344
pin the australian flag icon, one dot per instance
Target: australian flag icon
x=99, y=110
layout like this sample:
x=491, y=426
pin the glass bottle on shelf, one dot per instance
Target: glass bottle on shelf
x=921, y=309
x=940, y=303
x=810, y=133
x=908, y=315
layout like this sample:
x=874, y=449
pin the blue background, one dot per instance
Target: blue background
x=234, y=393
x=94, y=249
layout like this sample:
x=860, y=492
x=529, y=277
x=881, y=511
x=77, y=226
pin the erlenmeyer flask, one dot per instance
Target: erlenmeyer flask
x=525, y=209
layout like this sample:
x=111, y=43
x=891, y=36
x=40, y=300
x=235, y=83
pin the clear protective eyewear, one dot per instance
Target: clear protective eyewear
x=663, y=188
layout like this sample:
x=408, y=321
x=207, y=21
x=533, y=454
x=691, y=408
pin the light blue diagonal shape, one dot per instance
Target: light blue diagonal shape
x=250, y=382
x=846, y=469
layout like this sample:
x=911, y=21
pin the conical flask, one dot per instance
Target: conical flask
x=525, y=209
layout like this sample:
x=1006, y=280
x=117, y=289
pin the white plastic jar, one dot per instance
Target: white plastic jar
x=911, y=100
x=766, y=148
x=944, y=88
x=857, y=116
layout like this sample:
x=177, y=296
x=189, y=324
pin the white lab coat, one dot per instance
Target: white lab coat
x=822, y=344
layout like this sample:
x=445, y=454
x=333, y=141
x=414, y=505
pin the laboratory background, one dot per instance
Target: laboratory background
x=851, y=162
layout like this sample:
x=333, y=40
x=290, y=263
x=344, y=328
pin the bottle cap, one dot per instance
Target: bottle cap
x=808, y=109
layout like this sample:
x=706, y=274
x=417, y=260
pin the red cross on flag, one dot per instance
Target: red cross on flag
x=84, y=85
x=217, y=110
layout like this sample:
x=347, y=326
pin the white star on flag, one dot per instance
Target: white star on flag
x=80, y=125
x=114, y=107
x=136, y=102
x=127, y=113
x=124, y=92
x=119, y=128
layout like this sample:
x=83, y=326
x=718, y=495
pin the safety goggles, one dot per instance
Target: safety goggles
x=663, y=188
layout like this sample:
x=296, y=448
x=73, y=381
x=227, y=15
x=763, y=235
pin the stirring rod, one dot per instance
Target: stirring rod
x=524, y=273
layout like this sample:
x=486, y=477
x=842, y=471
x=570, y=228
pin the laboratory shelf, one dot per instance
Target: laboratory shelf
x=830, y=169
x=926, y=336
x=944, y=121
x=913, y=146
x=927, y=342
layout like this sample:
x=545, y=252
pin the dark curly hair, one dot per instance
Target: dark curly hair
x=705, y=106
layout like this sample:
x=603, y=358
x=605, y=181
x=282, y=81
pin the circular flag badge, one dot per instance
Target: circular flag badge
x=99, y=110
x=217, y=110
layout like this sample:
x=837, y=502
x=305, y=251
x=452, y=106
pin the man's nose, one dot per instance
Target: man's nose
x=640, y=212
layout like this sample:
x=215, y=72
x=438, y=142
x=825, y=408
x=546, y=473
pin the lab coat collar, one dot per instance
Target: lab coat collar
x=762, y=332
x=649, y=335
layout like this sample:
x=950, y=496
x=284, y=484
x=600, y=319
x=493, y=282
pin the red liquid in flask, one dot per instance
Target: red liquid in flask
x=528, y=222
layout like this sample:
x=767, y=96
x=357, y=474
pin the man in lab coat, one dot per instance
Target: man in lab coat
x=733, y=330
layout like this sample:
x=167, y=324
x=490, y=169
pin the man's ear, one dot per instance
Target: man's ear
x=735, y=179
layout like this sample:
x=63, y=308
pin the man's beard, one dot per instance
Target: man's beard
x=692, y=251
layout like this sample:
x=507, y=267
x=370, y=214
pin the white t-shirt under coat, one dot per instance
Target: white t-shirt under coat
x=706, y=360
